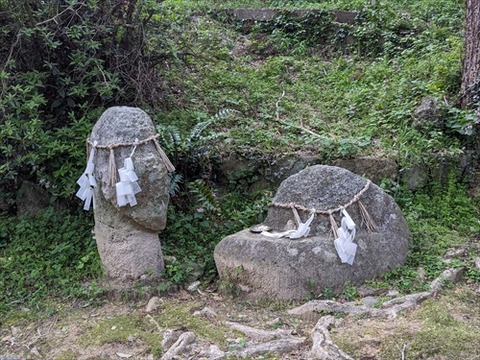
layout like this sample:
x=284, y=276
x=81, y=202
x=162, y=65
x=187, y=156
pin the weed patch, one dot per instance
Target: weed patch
x=442, y=217
x=123, y=329
x=176, y=315
x=443, y=332
x=49, y=255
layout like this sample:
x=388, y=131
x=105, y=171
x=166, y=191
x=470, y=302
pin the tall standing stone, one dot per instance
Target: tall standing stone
x=127, y=236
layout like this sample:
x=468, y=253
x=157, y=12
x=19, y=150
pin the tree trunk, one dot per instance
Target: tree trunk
x=470, y=88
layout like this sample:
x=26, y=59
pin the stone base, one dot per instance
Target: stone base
x=128, y=255
x=264, y=268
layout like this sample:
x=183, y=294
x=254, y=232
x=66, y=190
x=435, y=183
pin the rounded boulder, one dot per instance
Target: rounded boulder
x=261, y=267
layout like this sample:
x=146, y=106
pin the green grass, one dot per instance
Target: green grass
x=50, y=255
x=121, y=329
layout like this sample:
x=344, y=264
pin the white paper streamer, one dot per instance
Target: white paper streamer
x=127, y=187
x=302, y=231
x=346, y=248
x=87, y=182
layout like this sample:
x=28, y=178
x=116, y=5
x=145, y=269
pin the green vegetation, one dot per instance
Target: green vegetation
x=299, y=91
x=290, y=85
x=441, y=218
x=52, y=255
x=177, y=315
x=443, y=331
x=443, y=327
x=122, y=329
x=191, y=238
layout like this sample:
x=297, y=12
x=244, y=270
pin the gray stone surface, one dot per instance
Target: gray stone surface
x=127, y=236
x=371, y=167
x=415, y=177
x=296, y=269
x=418, y=175
x=281, y=168
x=427, y=115
x=31, y=198
x=269, y=172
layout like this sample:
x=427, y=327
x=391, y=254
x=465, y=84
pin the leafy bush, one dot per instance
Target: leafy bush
x=191, y=235
x=441, y=218
x=62, y=63
x=193, y=153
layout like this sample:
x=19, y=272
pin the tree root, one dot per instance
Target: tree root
x=324, y=348
x=179, y=346
x=258, y=334
x=323, y=345
x=389, y=309
x=277, y=341
x=280, y=346
x=281, y=341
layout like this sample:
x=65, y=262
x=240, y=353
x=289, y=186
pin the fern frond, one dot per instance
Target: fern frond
x=204, y=195
x=170, y=137
x=196, y=132
x=223, y=114
x=174, y=185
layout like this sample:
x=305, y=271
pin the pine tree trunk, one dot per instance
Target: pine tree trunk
x=470, y=88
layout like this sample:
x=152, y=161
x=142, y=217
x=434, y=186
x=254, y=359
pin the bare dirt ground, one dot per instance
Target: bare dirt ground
x=206, y=325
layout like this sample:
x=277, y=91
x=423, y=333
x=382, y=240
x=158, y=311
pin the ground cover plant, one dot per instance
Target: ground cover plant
x=283, y=89
x=298, y=92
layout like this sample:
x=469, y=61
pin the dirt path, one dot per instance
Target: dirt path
x=206, y=325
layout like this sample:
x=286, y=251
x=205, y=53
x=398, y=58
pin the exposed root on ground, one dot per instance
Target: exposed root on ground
x=323, y=345
x=258, y=334
x=389, y=309
x=324, y=348
x=180, y=346
x=282, y=341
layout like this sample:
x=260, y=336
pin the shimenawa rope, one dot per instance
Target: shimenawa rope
x=366, y=218
x=112, y=168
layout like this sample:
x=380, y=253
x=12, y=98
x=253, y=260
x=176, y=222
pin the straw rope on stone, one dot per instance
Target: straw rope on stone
x=366, y=218
x=333, y=225
x=112, y=147
x=112, y=168
x=115, y=145
x=164, y=157
x=324, y=212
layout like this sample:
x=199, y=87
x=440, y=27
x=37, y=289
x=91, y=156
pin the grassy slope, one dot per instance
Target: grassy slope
x=354, y=99
x=293, y=94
